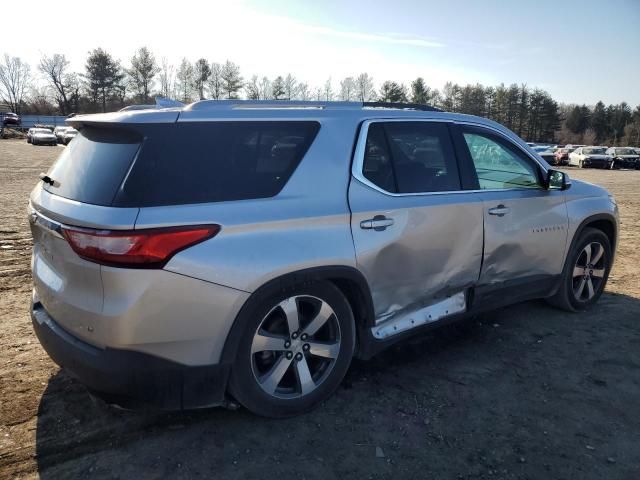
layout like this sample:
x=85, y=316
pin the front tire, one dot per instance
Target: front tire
x=295, y=349
x=585, y=273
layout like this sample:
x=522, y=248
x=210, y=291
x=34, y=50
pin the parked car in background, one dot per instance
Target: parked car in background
x=195, y=254
x=546, y=152
x=624, y=157
x=10, y=118
x=59, y=133
x=41, y=136
x=590, y=157
x=69, y=135
x=562, y=156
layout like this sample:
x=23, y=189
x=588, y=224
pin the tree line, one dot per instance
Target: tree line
x=107, y=85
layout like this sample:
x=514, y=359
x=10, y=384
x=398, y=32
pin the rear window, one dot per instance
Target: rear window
x=215, y=161
x=180, y=163
x=92, y=167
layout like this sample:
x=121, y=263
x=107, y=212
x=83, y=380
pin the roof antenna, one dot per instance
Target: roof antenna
x=163, y=102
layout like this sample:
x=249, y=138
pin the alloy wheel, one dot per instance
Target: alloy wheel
x=295, y=347
x=589, y=271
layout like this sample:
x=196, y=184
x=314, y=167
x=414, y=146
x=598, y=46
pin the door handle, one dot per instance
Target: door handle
x=377, y=223
x=500, y=210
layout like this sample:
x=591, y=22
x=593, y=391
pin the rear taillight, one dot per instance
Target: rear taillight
x=151, y=248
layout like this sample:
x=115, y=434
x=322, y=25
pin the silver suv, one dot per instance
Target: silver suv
x=249, y=250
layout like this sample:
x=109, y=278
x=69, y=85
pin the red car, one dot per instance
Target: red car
x=562, y=156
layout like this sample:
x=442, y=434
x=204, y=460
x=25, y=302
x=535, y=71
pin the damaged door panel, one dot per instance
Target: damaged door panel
x=422, y=258
x=525, y=222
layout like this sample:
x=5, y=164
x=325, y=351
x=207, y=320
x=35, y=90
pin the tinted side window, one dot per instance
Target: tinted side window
x=215, y=161
x=92, y=167
x=377, y=166
x=498, y=164
x=411, y=157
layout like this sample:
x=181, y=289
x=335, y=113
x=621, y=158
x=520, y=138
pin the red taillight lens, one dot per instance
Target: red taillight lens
x=137, y=248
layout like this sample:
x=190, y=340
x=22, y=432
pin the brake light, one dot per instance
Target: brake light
x=151, y=248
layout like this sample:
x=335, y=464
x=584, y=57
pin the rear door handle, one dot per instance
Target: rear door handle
x=377, y=223
x=500, y=210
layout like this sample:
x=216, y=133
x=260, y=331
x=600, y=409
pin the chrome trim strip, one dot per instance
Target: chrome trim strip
x=358, y=160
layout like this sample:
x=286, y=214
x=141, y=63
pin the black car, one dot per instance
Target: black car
x=10, y=118
x=624, y=157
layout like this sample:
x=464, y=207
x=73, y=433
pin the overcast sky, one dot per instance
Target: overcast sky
x=579, y=51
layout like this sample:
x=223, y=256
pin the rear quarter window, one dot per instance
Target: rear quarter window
x=200, y=162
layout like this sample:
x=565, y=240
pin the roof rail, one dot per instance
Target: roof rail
x=401, y=106
x=269, y=104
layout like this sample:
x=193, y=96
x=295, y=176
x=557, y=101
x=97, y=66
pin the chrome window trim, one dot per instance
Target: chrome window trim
x=358, y=160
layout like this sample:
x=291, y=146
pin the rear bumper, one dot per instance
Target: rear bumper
x=127, y=378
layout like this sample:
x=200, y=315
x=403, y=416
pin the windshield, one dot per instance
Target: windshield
x=41, y=130
x=594, y=151
x=625, y=151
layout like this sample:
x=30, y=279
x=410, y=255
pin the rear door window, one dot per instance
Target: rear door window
x=215, y=161
x=411, y=157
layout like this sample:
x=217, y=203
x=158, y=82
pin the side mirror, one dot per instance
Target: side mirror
x=557, y=180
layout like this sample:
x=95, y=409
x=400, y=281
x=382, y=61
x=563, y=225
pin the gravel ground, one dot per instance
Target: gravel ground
x=526, y=392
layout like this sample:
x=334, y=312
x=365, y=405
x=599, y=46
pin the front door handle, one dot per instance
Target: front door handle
x=377, y=223
x=500, y=210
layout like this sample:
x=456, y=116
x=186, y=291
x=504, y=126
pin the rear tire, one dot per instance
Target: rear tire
x=585, y=272
x=295, y=349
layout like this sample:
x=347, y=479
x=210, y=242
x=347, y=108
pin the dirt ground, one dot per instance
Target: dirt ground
x=526, y=392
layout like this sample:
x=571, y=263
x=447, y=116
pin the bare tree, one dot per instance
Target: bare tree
x=54, y=69
x=327, y=91
x=364, y=90
x=231, y=79
x=303, y=91
x=143, y=70
x=167, y=79
x=184, y=84
x=265, y=89
x=201, y=73
x=290, y=87
x=277, y=88
x=252, y=88
x=347, y=89
x=15, y=78
x=319, y=94
x=215, y=81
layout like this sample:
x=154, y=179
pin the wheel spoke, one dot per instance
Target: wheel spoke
x=578, y=271
x=580, y=288
x=272, y=343
x=290, y=309
x=272, y=378
x=596, y=258
x=304, y=376
x=587, y=251
x=326, y=350
x=320, y=319
x=598, y=272
x=590, y=287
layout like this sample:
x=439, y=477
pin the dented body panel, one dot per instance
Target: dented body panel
x=432, y=250
x=528, y=240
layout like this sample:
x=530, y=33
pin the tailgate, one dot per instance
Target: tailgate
x=69, y=288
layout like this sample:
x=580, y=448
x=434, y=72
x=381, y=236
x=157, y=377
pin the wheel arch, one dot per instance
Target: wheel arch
x=349, y=280
x=604, y=222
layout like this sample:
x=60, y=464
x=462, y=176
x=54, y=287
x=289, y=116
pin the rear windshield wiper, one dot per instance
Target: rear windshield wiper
x=48, y=180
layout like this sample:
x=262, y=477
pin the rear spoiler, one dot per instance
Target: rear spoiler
x=161, y=102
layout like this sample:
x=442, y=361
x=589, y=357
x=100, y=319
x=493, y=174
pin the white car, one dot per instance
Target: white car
x=59, y=132
x=590, y=157
x=42, y=136
x=69, y=135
